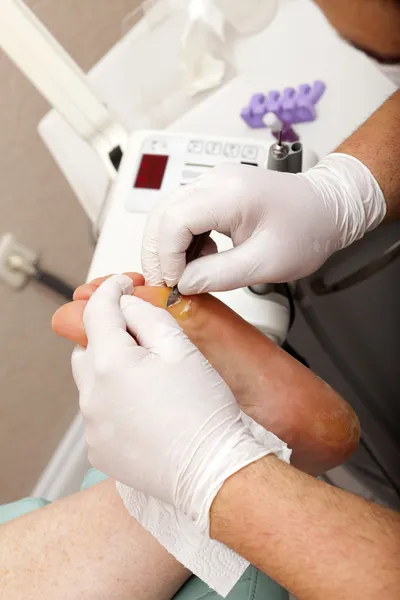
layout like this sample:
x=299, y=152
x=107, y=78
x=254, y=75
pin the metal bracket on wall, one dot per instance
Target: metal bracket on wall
x=19, y=264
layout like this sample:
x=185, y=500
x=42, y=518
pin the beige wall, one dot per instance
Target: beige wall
x=38, y=398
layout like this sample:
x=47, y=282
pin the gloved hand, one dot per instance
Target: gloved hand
x=283, y=226
x=157, y=416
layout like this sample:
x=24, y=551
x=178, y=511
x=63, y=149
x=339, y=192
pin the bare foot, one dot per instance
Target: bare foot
x=270, y=386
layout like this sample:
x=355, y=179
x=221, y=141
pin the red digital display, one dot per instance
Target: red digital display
x=151, y=171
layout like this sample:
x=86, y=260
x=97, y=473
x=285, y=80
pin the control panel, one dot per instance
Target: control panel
x=167, y=161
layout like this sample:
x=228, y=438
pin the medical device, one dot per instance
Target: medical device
x=144, y=166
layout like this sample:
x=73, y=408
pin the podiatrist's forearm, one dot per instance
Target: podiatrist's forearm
x=317, y=541
x=375, y=144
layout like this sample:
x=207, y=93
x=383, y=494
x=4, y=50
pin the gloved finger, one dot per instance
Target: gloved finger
x=234, y=268
x=181, y=213
x=103, y=320
x=211, y=202
x=150, y=257
x=79, y=363
x=210, y=247
x=175, y=237
x=84, y=377
x=155, y=329
x=85, y=291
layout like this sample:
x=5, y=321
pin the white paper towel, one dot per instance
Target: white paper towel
x=202, y=56
x=213, y=562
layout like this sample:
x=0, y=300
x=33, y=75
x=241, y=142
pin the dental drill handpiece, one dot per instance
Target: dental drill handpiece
x=194, y=251
x=284, y=157
x=278, y=155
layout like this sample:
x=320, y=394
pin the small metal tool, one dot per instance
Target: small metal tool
x=280, y=139
x=285, y=157
x=196, y=246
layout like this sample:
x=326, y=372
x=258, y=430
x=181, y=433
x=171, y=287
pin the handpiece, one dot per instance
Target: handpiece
x=285, y=157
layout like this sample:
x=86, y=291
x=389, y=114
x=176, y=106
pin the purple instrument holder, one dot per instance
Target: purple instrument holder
x=292, y=106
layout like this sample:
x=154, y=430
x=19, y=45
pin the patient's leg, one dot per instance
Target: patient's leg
x=85, y=546
x=270, y=385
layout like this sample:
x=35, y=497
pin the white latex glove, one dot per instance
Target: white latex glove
x=283, y=226
x=158, y=417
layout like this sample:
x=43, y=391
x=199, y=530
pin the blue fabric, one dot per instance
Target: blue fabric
x=20, y=507
x=92, y=477
x=253, y=585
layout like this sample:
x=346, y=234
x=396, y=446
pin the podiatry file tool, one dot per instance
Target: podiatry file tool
x=194, y=251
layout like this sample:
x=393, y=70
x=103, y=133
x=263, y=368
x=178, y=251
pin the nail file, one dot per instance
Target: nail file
x=194, y=251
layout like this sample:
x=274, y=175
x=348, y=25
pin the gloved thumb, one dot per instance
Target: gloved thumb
x=79, y=365
x=154, y=329
x=228, y=270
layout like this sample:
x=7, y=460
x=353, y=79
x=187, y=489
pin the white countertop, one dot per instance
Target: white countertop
x=299, y=46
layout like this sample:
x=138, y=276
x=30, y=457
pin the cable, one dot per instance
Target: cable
x=18, y=262
x=380, y=466
x=54, y=283
x=292, y=314
x=320, y=288
x=292, y=306
x=351, y=379
x=290, y=350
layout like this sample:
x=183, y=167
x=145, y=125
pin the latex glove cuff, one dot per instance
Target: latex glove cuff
x=343, y=182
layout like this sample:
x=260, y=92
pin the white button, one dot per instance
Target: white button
x=232, y=150
x=250, y=152
x=158, y=145
x=213, y=147
x=195, y=146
